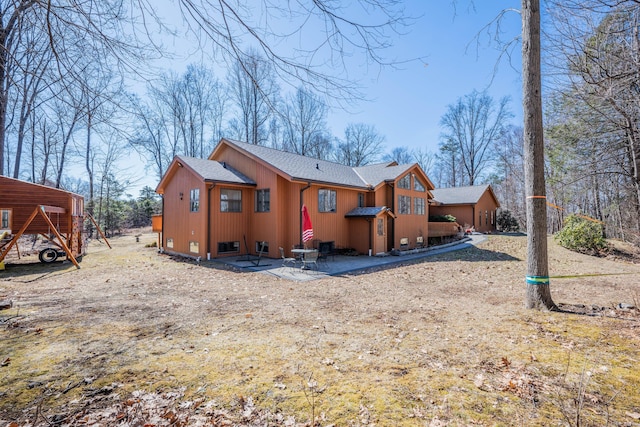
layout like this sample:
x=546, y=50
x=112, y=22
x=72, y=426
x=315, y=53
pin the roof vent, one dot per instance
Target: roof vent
x=318, y=166
x=224, y=165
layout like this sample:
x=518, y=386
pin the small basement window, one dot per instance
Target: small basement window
x=227, y=247
x=194, y=247
x=262, y=247
x=170, y=243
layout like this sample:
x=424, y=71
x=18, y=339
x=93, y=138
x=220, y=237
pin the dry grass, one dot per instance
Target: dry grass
x=135, y=337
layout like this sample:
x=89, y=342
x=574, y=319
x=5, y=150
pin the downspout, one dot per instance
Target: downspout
x=370, y=221
x=392, y=232
x=208, y=233
x=302, y=190
x=473, y=213
x=161, y=248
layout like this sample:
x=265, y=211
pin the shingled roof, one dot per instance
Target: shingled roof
x=298, y=167
x=460, y=195
x=214, y=171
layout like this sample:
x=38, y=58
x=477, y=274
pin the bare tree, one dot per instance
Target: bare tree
x=68, y=30
x=599, y=44
x=304, y=122
x=362, y=145
x=538, y=293
x=29, y=85
x=255, y=93
x=510, y=169
x=472, y=127
x=426, y=159
x=449, y=160
x=401, y=155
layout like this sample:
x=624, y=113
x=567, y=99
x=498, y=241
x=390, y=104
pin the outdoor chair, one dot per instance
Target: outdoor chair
x=287, y=261
x=310, y=260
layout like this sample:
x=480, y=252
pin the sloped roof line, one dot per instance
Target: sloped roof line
x=470, y=194
x=299, y=167
x=211, y=170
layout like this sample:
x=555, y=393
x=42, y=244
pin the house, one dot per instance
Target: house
x=28, y=208
x=248, y=199
x=473, y=206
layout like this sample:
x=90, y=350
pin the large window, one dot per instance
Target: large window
x=405, y=182
x=194, y=200
x=418, y=206
x=404, y=205
x=230, y=200
x=417, y=185
x=5, y=219
x=263, y=200
x=327, y=200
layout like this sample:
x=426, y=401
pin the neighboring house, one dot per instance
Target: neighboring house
x=27, y=208
x=473, y=206
x=252, y=195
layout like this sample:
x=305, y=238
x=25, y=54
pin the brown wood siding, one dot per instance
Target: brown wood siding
x=264, y=226
x=462, y=213
x=23, y=197
x=359, y=231
x=180, y=224
x=333, y=226
x=411, y=225
x=487, y=207
x=479, y=216
x=231, y=226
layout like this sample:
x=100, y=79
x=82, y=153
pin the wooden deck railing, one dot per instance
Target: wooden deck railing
x=443, y=229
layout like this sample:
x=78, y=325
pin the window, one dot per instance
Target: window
x=194, y=247
x=225, y=247
x=486, y=217
x=404, y=205
x=262, y=247
x=405, y=182
x=361, y=200
x=417, y=185
x=230, y=200
x=380, y=227
x=5, y=219
x=170, y=243
x=194, y=200
x=418, y=206
x=327, y=200
x=263, y=199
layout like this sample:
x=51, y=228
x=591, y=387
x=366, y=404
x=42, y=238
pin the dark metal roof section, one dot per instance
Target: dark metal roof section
x=370, y=212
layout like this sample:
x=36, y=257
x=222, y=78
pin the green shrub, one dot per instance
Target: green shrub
x=442, y=218
x=507, y=222
x=582, y=235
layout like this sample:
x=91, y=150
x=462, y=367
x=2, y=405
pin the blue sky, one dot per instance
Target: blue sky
x=406, y=103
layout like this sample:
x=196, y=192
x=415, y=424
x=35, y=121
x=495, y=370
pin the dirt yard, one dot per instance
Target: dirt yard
x=140, y=339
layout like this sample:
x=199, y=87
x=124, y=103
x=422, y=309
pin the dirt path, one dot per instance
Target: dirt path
x=135, y=338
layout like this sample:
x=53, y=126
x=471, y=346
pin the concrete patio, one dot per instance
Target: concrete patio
x=341, y=264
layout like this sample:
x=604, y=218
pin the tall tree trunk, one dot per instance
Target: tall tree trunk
x=538, y=293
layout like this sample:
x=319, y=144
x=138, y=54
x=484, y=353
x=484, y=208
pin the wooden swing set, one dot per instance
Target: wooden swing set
x=50, y=254
x=30, y=208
